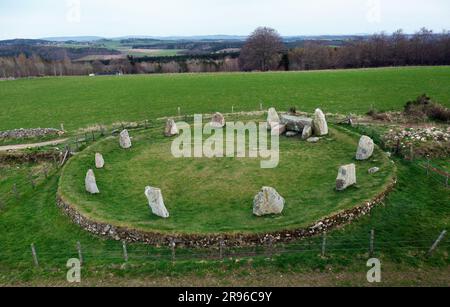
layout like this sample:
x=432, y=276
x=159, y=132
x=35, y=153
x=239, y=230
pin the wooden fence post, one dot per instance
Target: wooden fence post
x=324, y=244
x=80, y=254
x=270, y=249
x=436, y=243
x=172, y=247
x=372, y=243
x=125, y=252
x=30, y=178
x=15, y=191
x=221, y=246
x=35, y=258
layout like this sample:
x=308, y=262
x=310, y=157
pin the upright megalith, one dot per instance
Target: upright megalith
x=320, y=125
x=125, y=140
x=99, y=161
x=365, y=148
x=156, y=202
x=268, y=201
x=91, y=183
x=307, y=132
x=171, y=128
x=218, y=120
x=346, y=177
x=273, y=119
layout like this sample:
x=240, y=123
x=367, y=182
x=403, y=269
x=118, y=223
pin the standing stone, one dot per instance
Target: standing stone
x=307, y=132
x=99, y=161
x=320, y=124
x=171, y=128
x=156, y=202
x=268, y=201
x=125, y=140
x=295, y=123
x=365, y=148
x=272, y=118
x=346, y=177
x=90, y=183
x=218, y=120
x=278, y=129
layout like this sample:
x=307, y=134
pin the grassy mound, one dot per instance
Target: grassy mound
x=210, y=196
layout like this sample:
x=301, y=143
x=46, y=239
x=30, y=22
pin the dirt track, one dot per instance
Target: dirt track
x=35, y=145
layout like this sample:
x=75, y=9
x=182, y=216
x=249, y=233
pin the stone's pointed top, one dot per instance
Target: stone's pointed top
x=99, y=161
x=171, y=128
x=125, y=140
x=218, y=120
x=346, y=177
x=90, y=183
x=267, y=202
x=366, y=148
x=320, y=125
x=156, y=202
x=307, y=133
x=273, y=117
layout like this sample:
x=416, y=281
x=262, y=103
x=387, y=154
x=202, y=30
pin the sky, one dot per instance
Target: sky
x=115, y=18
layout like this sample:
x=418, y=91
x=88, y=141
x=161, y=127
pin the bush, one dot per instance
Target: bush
x=424, y=108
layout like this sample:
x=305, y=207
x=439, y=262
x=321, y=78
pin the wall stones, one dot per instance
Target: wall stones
x=29, y=133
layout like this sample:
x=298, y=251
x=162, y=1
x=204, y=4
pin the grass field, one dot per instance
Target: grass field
x=82, y=101
x=216, y=195
x=406, y=223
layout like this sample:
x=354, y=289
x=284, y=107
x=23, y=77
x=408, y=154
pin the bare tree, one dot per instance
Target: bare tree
x=262, y=51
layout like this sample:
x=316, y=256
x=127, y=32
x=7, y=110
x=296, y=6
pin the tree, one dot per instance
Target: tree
x=262, y=50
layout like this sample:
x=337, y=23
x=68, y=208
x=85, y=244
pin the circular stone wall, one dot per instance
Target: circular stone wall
x=212, y=198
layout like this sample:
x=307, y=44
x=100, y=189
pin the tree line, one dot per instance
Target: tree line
x=264, y=50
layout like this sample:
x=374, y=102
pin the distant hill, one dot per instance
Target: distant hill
x=81, y=39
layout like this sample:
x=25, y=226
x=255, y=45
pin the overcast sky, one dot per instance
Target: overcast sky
x=112, y=18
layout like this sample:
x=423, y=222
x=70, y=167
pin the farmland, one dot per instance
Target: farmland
x=406, y=223
x=81, y=101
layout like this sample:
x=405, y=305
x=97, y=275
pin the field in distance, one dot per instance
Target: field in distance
x=81, y=101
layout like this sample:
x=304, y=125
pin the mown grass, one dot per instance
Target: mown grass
x=406, y=226
x=216, y=195
x=82, y=101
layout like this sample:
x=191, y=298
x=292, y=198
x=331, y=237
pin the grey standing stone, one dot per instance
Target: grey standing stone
x=156, y=202
x=268, y=201
x=307, y=132
x=171, y=128
x=320, y=124
x=125, y=140
x=346, y=177
x=99, y=161
x=295, y=123
x=218, y=120
x=272, y=118
x=278, y=129
x=90, y=183
x=365, y=148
